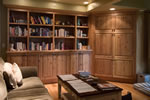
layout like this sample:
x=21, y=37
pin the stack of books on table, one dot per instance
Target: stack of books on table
x=106, y=86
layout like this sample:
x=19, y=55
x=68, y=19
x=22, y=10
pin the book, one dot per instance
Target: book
x=106, y=86
x=43, y=19
x=39, y=19
x=32, y=20
x=17, y=31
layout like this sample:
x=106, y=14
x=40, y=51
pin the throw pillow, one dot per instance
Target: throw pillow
x=17, y=74
x=12, y=80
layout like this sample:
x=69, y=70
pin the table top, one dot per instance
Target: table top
x=93, y=83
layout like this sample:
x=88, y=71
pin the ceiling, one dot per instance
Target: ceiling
x=77, y=5
x=78, y=2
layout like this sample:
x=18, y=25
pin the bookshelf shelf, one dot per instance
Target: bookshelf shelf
x=46, y=51
x=40, y=37
x=82, y=27
x=28, y=29
x=18, y=24
x=82, y=37
x=18, y=36
x=65, y=26
x=64, y=37
x=41, y=25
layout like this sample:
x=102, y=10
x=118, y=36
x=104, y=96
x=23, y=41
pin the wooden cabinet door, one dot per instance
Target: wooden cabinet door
x=124, y=21
x=84, y=62
x=87, y=62
x=123, y=46
x=74, y=64
x=61, y=64
x=20, y=59
x=123, y=69
x=103, y=67
x=33, y=60
x=104, y=22
x=104, y=44
x=45, y=66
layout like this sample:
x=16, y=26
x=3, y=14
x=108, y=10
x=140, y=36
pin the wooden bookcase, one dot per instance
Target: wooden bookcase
x=58, y=46
x=46, y=31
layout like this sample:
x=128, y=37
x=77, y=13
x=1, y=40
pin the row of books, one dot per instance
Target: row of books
x=40, y=20
x=62, y=33
x=59, y=45
x=40, y=32
x=18, y=31
x=40, y=46
x=13, y=19
x=80, y=33
x=18, y=46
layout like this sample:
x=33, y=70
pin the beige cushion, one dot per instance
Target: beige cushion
x=17, y=73
x=8, y=70
x=3, y=89
x=1, y=64
x=30, y=94
x=30, y=83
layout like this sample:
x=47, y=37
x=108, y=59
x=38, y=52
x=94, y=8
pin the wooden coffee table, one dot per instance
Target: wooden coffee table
x=112, y=94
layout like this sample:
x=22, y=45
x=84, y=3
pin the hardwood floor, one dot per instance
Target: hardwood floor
x=136, y=95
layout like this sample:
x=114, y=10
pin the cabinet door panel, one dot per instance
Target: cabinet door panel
x=103, y=67
x=80, y=61
x=86, y=62
x=104, y=44
x=124, y=21
x=45, y=66
x=20, y=60
x=74, y=63
x=55, y=64
x=105, y=22
x=123, y=68
x=33, y=60
x=124, y=45
x=62, y=65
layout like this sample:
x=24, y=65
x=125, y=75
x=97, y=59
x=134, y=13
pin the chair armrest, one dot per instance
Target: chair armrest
x=29, y=71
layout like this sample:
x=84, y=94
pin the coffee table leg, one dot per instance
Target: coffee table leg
x=59, y=90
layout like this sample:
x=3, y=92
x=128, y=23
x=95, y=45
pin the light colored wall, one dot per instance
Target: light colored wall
x=132, y=3
x=0, y=24
x=148, y=43
x=141, y=45
x=3, y=30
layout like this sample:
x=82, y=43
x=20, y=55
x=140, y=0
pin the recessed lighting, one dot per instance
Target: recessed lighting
x=112, y=9
x=86, y=2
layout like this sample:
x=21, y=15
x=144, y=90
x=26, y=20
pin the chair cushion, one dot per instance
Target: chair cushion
x=29, y=83
x=3, y=89
x=30, y=94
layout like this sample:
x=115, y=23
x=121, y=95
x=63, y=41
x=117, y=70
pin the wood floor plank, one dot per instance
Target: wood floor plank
x=136, y=95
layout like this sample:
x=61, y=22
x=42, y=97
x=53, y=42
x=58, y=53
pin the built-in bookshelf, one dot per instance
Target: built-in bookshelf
x=43, y=31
